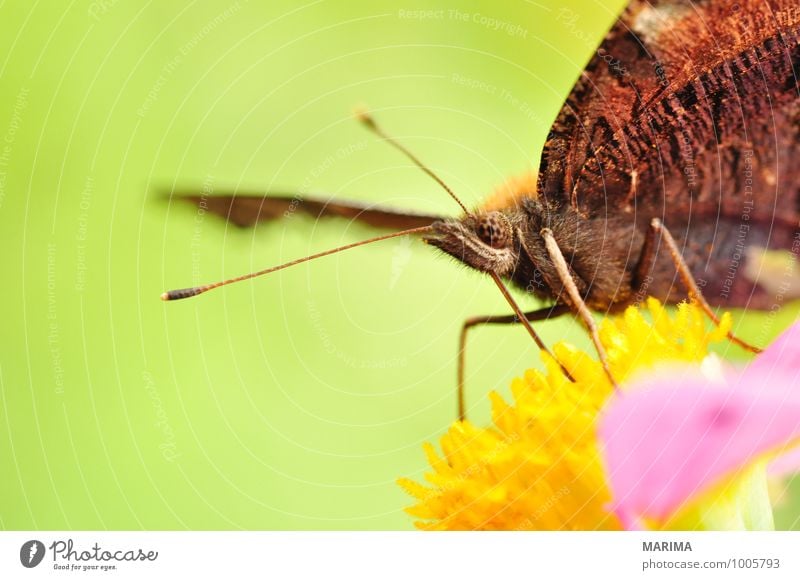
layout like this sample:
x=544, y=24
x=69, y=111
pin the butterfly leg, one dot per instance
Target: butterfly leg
x=533, y=316
x=575, y=299
x=659, y=231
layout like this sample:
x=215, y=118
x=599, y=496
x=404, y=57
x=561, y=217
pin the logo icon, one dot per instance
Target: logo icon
x=31, y=553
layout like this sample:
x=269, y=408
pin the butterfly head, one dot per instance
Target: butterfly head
x=483, y=241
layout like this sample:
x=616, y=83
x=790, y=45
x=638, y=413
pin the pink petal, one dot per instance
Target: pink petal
x=666, y=440
x=785, y=464
x=782, y=354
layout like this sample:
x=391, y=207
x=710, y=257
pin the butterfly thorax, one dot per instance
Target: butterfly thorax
x=601, y=253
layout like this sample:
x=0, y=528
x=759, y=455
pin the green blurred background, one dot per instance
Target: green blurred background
x=292, y=402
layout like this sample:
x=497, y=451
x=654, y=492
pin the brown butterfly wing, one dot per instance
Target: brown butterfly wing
x=689, y=111
x=246, y=210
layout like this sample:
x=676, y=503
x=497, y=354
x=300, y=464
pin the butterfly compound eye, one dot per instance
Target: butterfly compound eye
x=493, y=230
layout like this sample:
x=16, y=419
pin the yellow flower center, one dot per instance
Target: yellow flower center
x=539, y=467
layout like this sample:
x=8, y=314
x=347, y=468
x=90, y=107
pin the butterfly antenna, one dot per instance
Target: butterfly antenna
x=364, y=116
x=189, y=292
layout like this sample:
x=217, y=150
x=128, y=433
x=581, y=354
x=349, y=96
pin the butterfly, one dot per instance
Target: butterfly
x=671, y=161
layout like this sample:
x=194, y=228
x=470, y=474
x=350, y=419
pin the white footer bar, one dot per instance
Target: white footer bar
x=401, y=555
